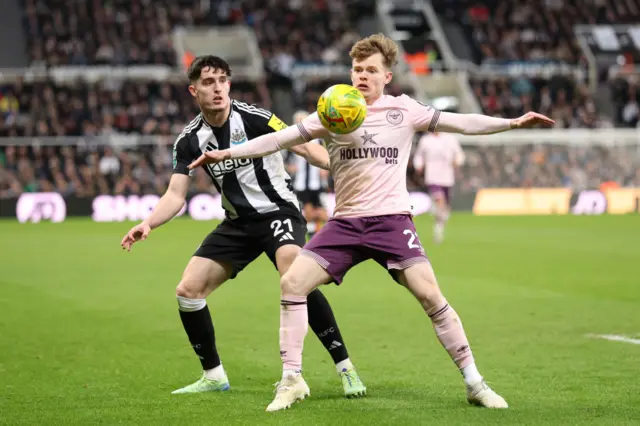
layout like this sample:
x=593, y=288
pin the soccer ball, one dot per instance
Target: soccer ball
x=342, y=109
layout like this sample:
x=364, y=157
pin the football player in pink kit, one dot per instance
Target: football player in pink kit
x=372, y=217
x=436, y=159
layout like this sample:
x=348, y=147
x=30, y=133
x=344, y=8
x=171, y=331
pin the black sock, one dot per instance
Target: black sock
x=199, y=328
x=324, y=325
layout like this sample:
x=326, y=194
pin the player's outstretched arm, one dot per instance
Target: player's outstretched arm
x=168, y=206
x=315, y=154
x=478, y=124
x=258, y=147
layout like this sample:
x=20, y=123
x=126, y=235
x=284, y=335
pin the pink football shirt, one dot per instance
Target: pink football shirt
x=438, y=154
x=369, y=166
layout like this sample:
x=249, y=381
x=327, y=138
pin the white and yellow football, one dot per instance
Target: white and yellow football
x=342, y=109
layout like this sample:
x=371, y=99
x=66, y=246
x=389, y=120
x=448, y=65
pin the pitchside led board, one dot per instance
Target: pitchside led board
x=52, y=207
x=541, y=201
x=36, y=207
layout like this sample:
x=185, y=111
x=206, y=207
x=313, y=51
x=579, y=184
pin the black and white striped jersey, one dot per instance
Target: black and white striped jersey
x=249, y=187
x=307, y=177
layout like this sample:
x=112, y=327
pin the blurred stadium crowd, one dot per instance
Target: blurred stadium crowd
x=533, y=29
x=134, y=32
x=549, y=166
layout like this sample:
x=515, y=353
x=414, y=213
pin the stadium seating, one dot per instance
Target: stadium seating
x=50, y=109
x=532, y=29
x=549, y=166
x=66, y=32
x=93, y=170
x=560, y=97
x=500, y=31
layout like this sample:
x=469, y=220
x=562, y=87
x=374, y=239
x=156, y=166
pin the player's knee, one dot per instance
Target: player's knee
x=287, y=258
x=191, y=289
x=426, y=289
x=431, y=296
x=291, y=285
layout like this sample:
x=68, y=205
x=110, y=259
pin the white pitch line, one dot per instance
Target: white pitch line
x=615, y=338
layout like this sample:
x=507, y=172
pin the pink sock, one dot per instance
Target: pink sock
x=448, y=327
x=294, y=323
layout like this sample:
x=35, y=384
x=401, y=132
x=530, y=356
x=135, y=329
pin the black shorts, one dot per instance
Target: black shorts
x=240, y=242
x=310, y=196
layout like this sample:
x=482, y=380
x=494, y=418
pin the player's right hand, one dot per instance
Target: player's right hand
x=530, y=120
x=140, y=232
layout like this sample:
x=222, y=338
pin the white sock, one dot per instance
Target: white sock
x=344, y=364
x=216, y=373
x=290, y=373
x=471, y=374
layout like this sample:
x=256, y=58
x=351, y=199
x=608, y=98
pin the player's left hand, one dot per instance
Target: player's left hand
x=210, y=157
x=530, y=120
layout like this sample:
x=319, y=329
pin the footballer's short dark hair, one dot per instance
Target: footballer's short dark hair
x=214, y=62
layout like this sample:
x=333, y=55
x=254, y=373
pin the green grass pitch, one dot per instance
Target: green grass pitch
x=90, y=334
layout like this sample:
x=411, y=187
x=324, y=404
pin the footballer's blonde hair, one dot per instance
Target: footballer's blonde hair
x=377, y=43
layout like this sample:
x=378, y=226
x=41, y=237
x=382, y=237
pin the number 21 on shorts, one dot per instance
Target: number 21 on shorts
x=277, y=227
x=414, y=240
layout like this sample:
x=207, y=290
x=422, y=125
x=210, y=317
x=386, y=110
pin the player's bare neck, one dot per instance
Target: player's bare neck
x=216, y=118
x=371, y=100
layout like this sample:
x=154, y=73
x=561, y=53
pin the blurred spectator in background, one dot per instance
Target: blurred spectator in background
x=625, y=91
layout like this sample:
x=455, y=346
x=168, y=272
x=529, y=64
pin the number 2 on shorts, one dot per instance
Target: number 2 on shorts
x=413, y=237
